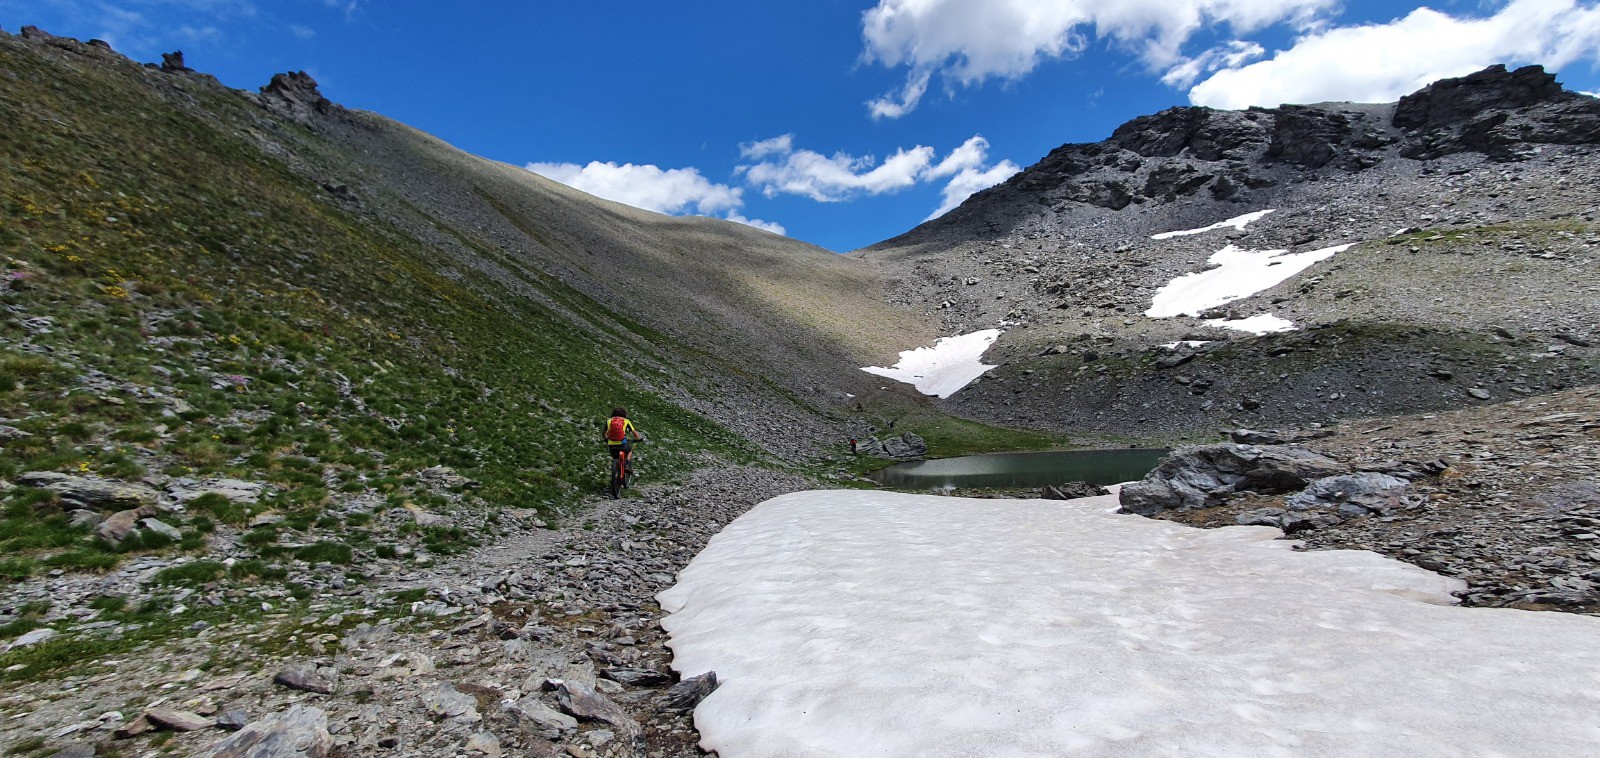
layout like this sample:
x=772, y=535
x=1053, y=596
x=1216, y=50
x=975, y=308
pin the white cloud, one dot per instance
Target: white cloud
x=969, y=181
x=841, y=176
x=649, y=187
x=770, y=226
x=967, y=42
x=759, y=149
x=675, y=191
x=302, y=32
x=1381, y=62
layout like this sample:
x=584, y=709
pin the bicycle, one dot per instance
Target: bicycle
x=622, y=471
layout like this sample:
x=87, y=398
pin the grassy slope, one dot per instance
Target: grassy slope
x=179, y=299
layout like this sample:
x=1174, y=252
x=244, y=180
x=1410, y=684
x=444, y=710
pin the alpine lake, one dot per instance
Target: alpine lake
x=1016, y=470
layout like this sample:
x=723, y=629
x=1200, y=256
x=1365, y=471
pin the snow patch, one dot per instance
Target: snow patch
x=1185, y=343
x=870, y=623
x=942, y=370
x=1237, y=222
x=1265, y=323
x=1236, y=274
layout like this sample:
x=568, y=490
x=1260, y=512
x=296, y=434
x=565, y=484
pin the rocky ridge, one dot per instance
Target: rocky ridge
x=1463, y=202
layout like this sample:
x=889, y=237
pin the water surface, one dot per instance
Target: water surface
x=1023, y=469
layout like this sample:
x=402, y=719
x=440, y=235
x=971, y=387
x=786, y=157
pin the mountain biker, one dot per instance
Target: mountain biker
x=620, y=433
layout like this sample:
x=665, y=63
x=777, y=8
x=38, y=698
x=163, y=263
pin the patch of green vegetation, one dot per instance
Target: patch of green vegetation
x=326, y=552
x=221, y=508
x=343, y=335
x=17, y=568
x=192, y=574
x=257, y=569
x=447, y=540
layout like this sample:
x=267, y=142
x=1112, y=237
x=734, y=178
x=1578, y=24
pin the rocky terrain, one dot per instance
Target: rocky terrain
x=1505, y=497
x=541, y=642
x=298, y=405
x=1472, y=271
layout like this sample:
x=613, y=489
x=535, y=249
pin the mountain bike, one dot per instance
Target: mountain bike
x=622, y=470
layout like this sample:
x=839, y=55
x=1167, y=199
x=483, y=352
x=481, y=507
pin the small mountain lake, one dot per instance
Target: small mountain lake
x=1023, y=469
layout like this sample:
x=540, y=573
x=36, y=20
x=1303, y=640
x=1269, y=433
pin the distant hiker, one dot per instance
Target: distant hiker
x=620, y=433
x=852, y=445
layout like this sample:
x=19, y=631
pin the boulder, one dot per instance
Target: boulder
x=304, y=679
x=162, y=528
x=239, y=491
x=302, y=732
x=1073, y=491
x=687, y=694
x=907, y=445
x=446, y=702
x=92, y=491
x=176, y=720
x=530, y=714
x=1205, y=475
x=118, y=527
x=584, y=702
x=32, y=638
x=1356, y=494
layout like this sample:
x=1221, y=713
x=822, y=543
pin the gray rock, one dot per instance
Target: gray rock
x=446, y=702
x=79, y=750
x=32, y=638
x=85, y=518
x=176, y=720
x=304, y=679
x=302, y=732
x=1352, y=494
x=12, y=433
x=1299, y=522
x=118, y=527
x=1073, y=491
x=237, y=490
x=1261, y=517
x=687, y=694
x=233, y=720
x=92, y=492
x=1203, y=476
x=532, y=715
x=582, y=701
x=637, y=677
x=162, y=528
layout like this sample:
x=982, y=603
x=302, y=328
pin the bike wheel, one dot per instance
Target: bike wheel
x=616, y=478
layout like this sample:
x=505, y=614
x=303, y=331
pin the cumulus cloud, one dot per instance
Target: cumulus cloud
x=967, y=42
x=784, y=170
x=675, y=191
x=652, y=188
x=1381, y=62
x=770, y=226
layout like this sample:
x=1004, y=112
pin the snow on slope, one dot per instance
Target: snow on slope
x=1264, y=323
x=868, y=623
x=1238, y=274
x=1237, y=222
x=942, y=370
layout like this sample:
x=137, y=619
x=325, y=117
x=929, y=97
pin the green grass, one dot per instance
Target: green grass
x=193, y=574
x=326, y=552
x=339, y=329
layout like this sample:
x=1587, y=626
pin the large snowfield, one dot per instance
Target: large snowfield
x=942, y=370
x=881, y=624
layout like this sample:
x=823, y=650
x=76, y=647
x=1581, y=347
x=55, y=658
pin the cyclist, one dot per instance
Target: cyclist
x=620, y=433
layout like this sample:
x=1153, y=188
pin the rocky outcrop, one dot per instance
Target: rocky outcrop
x=1496, y=112
x=302, y=732
x=1203, y=476
x=907, y=445
x=294, y=95
x=92, y=492
x=172, y=62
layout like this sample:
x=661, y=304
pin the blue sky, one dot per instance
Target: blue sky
x=839, y=122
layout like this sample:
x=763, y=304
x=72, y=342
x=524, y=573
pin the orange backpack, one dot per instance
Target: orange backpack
x=617, y=430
